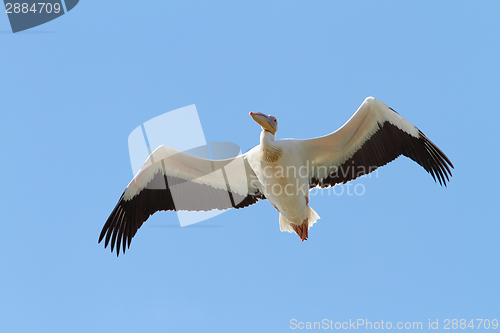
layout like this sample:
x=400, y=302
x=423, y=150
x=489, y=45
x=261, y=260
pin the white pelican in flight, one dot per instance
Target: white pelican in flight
x=281, y=171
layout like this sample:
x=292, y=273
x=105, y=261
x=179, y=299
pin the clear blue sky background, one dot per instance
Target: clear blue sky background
x=72, y=90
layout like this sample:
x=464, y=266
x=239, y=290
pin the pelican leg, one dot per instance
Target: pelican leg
x=301, y=230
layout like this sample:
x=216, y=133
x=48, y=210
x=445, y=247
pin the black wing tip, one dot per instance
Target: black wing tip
x=116, y=249
x=112, y=232
x=437, y=164
x=101, y=236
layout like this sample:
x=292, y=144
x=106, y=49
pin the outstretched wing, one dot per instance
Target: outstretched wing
x=374, y=136
x=172, y=180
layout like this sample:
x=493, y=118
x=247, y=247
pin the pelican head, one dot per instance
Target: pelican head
x=268, y=123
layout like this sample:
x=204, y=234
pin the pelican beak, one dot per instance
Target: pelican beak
x=264, y=121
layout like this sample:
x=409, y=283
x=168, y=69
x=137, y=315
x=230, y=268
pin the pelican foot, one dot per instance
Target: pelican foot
x=301, y=230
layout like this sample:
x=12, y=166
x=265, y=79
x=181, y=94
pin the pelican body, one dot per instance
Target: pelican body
x=281, y=171
x=277, y=165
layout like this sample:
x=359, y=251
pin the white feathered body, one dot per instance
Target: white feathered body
x=284, y=179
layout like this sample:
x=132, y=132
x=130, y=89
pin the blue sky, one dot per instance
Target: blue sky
x=72, y=90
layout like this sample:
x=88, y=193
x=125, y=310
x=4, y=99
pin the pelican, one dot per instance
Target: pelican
x=281, y=171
